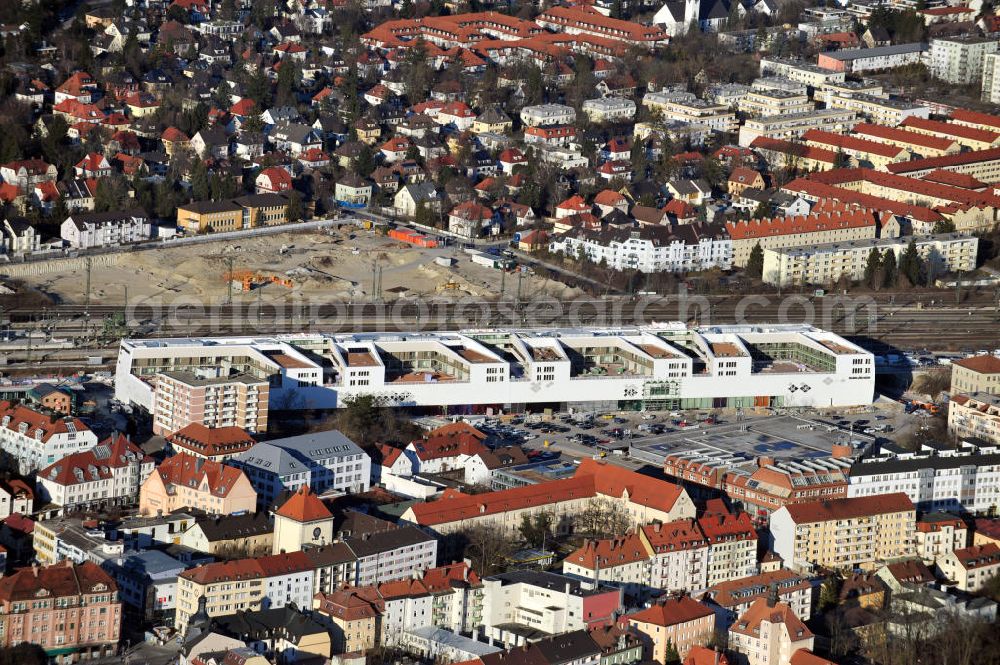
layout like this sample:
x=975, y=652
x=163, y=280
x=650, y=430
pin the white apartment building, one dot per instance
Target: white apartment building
x=970, y=568
x=516, y=604
x=975, y=416
x=991, y=78
x=934, y=477
x=828, y=262
x=799, y=70
x=792, y=126
x=84, y=230
x=680, y=248
x=37, y=440
x=686, y=107
x=938, y=534
x=395, y=554
x=542, y=115
x=761, y=103
x=662, y=366
x=108, y=474
x=878, y=58
x=606, y=109
x=879, y=110
x=960, y=60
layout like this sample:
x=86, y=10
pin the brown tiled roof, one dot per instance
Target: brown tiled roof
x=986, y=364
x=839, y=509
x=749, y=623
x=979, y=556
x=188, y=470
x=49, y=425
x=212, y=441
x=62, y=579
x=97, y=463
x=673, y=611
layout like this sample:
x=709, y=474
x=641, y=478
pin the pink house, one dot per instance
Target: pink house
x=70, y=610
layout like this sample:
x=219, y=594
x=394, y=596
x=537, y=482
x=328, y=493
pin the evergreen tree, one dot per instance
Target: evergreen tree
x=287, y=80
x=944, y=226
x=294, y=211
x=755, y=264
x=200, y=188
x=872, y=268
x=890, y=271
x=366, y=161
x=911, y=265
x=670, y=654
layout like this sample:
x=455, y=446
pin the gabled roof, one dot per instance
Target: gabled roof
x=64, y=579
x=840, y=509
x=779, y=613
x=189, y=471
x=35, y=422
x=97, y=464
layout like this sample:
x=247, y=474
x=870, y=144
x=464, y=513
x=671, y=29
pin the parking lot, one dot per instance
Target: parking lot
x=636, y=439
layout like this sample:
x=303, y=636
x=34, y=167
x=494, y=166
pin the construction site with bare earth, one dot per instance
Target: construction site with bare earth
x=341, y=264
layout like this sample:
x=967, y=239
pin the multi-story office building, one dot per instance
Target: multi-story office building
x=108, y=474
x=322, y=460
x=829, y=262
x=878, y=58
x=70, y=610
x=666, y=366
x=844, y=533
x=213, y=400
x=37, y=440
x=935, y=477
x=959, y=60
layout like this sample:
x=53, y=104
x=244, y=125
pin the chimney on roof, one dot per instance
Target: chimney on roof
x=718, y=655
x=765, y=461
x=772, y=595
x=34, y=568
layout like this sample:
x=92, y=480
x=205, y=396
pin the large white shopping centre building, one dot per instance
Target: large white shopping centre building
x=662, y=366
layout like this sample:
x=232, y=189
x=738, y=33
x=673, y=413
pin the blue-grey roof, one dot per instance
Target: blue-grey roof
x=876, y=52
x=297, y=454
x=153, y=563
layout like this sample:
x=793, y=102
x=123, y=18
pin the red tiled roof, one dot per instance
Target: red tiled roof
x=575, y=202
x=950, y=129
x=903, y=136
x=304, y=506
x=976, y=118
x=616, y=481
x=953, y=178
x=16, y=415
x=959, y=159
x=174, y=135
x=797, y=149
x=672, y=612
x=95, y=464
x=839, y=509
x=63, y=579
x=807, y=657
x=759, y=612
x=699, y=655
x=848, y=142
x=978, y=556
x=609, y=552
x=822, y=190
x=211, y=441
x=912, y=570
x=845, y=218
x=985, y=364
x=189, y=471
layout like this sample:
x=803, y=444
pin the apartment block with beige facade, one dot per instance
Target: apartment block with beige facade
x=829, y=262
x=791, y=126
x=181, y=398
x=976, y=374
x=970, y=568
x=829, y=221
x=975, y=416
x=844, y=533
x=682, y=622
